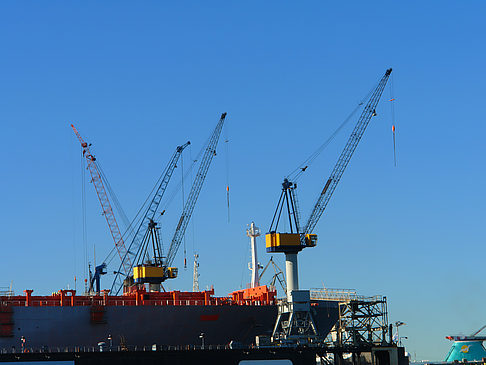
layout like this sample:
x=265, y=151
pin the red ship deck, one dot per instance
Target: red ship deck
x=261, y=295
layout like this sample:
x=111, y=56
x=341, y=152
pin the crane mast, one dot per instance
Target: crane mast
x=147, y=223
x=346, y=154
x=105, y=202
x=194, y=194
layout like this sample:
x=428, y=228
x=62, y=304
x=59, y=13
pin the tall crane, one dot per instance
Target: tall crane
x=105, y=206
x=194, y=194
x=159, y=270
x=295, y=241
x=346, y=154
x=147, y=224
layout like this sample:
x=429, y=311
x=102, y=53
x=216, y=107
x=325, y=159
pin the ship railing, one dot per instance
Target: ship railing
x=13, y=303
x=132, y=302
x=344, y=295
x=107, y=348
x=6, y=292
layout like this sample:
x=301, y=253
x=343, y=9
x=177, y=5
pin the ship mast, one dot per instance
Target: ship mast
x=253, y=232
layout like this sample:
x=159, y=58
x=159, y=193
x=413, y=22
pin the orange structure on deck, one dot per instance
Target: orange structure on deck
x=261, y=295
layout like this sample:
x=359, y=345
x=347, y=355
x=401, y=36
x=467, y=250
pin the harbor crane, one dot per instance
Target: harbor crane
x=299, y=238
x=157, y=271
x=194, y=193
x=97, y=181
x=146, y=231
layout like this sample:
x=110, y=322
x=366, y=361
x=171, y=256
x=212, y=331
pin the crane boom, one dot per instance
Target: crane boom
x=128, y=260
x=344, y=158
x=103, y=198
x=195, y=190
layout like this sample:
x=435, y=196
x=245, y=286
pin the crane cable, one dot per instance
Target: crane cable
x=183, y=203
x=226, y=141
x=392, y=109
x=83, y=217
x=300, y=169
x=188, y=171
x=113, y=196
x=136, y=220
x=130, y=230
x=138, y=216
x=193, y=215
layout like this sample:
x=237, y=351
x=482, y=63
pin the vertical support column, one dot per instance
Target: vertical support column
x=253, y=232
x=175, y=297
x=292, y=272
x=63, y=294
x=28, y=297
x=207, y=298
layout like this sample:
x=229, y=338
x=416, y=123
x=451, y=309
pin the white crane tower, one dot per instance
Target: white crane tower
x=253, y=232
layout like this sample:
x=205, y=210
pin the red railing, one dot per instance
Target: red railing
x=67, y=298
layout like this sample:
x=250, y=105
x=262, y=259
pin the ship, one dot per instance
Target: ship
x=142, y=318
x=469, y=348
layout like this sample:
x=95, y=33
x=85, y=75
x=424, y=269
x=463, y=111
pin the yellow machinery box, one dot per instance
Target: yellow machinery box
x=288, y=242
x=140, y=272
x=282, y=239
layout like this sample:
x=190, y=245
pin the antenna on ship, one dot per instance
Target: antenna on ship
x=253, y=232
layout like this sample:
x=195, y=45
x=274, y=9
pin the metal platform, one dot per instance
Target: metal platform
x=363, y=321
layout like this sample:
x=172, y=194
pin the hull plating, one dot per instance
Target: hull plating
x=146, y=325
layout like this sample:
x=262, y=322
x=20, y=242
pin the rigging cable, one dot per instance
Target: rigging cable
x=226, y=141
x=135, y=222
x=73, y=205
x=83, y=217
x=130, y=230
x=183, y=203
x=113, y=196
x=299, y=170
x=392, y=108
x=188, y=171
x=193, y=215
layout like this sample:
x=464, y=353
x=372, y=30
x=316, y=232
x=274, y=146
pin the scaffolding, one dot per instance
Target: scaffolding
x=363, y=321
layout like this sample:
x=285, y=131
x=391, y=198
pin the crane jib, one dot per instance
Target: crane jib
x=195, y=190
x=136, y=246
x=171, y=272
x=369, y=111
x=97, y=181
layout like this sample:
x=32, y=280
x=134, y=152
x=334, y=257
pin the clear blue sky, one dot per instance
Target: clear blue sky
x=138, y=79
